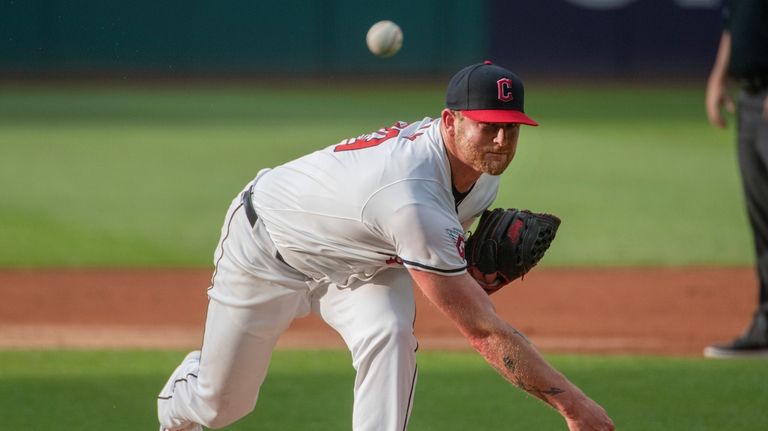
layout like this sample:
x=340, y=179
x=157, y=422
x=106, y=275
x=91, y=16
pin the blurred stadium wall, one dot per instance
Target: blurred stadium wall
x=321, y=38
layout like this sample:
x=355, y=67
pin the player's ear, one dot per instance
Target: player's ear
x=449, y=119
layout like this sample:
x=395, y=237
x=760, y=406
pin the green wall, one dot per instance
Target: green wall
x=233, y=37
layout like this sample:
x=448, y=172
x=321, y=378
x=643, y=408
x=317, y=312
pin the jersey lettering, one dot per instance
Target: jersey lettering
x=460, y=246
x=376, y=138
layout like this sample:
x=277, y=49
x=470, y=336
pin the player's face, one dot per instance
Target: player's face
x=486, y=147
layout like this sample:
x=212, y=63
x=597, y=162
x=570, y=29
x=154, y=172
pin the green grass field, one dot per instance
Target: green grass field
x=141, y=176
x=84, y=390
x=130, y=176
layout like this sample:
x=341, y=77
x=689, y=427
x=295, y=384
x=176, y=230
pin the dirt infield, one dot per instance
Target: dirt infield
x=674, y=311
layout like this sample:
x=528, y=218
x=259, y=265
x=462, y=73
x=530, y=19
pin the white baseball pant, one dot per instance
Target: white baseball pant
x=252, y=301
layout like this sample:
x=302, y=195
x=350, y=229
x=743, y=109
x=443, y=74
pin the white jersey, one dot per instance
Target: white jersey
x=368, y=203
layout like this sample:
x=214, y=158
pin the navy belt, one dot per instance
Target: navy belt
x=250, y=212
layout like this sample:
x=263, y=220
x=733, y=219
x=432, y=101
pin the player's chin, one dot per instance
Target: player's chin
x=496, y=167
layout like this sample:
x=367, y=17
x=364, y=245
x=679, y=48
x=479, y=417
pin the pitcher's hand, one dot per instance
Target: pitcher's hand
x=589, y=416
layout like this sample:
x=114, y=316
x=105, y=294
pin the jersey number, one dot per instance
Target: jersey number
x=376, y=138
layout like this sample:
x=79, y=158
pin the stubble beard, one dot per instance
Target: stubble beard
x=480, y=160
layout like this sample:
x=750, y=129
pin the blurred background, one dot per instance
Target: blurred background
x=126, y=127
x=570, y=39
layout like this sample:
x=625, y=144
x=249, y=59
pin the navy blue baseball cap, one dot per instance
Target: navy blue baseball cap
x=488, y=93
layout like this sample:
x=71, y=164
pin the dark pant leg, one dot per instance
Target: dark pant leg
x=753, y=163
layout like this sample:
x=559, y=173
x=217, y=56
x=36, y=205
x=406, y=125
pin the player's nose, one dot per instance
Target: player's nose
x=500, y=138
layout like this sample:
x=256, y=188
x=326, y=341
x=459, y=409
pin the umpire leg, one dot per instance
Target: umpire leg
x=375, y=319
x=753, y=163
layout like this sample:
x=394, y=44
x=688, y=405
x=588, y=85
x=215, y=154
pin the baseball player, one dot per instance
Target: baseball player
x=344, y=232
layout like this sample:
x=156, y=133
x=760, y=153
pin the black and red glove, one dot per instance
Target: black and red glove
x=507, y=244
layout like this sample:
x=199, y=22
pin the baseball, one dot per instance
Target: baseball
x=384, y=39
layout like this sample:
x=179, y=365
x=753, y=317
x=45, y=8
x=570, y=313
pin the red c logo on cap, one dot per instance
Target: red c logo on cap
x=505, y=89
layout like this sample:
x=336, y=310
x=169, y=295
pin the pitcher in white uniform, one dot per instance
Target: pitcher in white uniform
x=345, y=232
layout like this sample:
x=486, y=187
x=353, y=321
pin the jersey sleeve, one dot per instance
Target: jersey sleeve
x=419, y=219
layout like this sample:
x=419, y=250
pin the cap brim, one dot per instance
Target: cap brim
x=499, y=116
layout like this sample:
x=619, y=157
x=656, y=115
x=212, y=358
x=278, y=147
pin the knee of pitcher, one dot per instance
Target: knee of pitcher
x=385, y=336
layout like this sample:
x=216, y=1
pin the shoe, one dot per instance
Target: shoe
x=752, y=344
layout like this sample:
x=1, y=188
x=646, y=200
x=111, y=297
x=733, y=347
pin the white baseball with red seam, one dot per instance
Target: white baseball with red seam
x=384, y=38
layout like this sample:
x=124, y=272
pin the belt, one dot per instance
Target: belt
x=755, y=84
x=250, y=212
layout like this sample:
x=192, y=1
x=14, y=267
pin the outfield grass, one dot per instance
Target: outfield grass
x=140, y=177
x=88, y=390
x=132, y=176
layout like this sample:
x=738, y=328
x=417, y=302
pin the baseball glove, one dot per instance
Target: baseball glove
x=507, y=244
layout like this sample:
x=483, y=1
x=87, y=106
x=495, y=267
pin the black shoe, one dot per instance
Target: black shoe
x=753, y=343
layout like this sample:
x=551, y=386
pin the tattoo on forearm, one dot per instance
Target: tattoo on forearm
x=553, y=391
x=512, y=365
